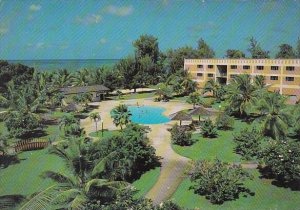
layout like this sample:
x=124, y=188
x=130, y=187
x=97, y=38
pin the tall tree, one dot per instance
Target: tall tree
x=241, y=95
x=298, y=48
x=256, y=51
x=95, y=116
x=234, y=54
x=121, y=115
x=274, y=119
x=147, y=45
x=286, y=51
x=204, y=51
x=175, y=58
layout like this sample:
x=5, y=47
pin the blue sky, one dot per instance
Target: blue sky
x=85, y=29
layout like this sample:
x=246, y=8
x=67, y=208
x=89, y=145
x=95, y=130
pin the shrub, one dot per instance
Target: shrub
x=208, y=129
x=283, y=158
x=218, y=181
x=248, y=143
x=225, y=122
x=20, y=124
x=180, y=136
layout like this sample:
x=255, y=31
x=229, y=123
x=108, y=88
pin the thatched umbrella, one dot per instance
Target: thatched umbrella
x=200, y=110
x=180, y=116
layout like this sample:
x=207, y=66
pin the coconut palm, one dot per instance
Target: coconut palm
x=121, y=115
x=273, y=118
x=81, y=78
x=211, y=86
x=62, y=78
x=95, y=116
x=241, y=95
x=194, y=98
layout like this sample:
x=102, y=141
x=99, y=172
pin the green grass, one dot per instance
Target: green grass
x=106, y=133
x=24, y=177
x=221, y=147
x=267, y=196
x=134, y=96
x=146, y=182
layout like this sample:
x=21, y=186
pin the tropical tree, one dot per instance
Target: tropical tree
x=95, y=116
x=81, y=78
x=188, y=85
x=286, y=51
x=146, y=45
x=259, y=82
x=282, y=157
x=248, y=143
x=224, y=121
x=211, y=86
x=234, y=54
x=204, y=51
x=209, y=129
x=180, y=136
x=62, y=78
x=83, y=183
x=121, y=115
x=195, y=99
x=163, y=91
x=70, y=125
x=241, y=95
x=273, y=118
x=256, y=51
x=218, y=181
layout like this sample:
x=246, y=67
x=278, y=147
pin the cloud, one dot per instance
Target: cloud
x=119, y=11
x=35, y=7
x=63, y=46
x=210, y=25
x=89, y=19
x=102, y=41
x=3, y=31
x=118, y=48
x=37, y=46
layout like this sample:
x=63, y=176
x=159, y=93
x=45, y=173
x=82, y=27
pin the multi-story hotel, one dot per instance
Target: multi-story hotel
x=282, y=75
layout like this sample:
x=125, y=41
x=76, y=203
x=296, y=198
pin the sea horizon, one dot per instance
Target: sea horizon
x=69, y=64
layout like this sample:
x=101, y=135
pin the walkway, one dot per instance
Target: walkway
x=173, y=166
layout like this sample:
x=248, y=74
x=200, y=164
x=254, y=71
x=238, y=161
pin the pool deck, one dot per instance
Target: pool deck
x=173, y=166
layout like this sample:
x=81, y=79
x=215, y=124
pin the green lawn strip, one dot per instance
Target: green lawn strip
x=24, y=178
x=106, y=133
x=221, y=147
x=146, y=182
x=134, y=96
x=267, y=196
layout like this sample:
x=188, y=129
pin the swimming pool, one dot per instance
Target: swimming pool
x=147, y=114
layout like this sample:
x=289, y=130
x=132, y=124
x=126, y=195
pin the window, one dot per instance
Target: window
x=246, y=67
x=289, y=79
x=233, y=66
x=210, y=75
x=275, y=68
x=259, y=67
x=199, y=74
x=290, y=68
x=200, y=66
x=232, y=76
x=210, y=66
x=273, y=77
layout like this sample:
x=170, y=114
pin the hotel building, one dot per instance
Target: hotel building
x=282, y=75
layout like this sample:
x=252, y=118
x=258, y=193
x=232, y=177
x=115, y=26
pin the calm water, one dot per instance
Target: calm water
x=71, y=65
x=147, y=115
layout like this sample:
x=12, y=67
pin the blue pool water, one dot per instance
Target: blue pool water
x=148, y=115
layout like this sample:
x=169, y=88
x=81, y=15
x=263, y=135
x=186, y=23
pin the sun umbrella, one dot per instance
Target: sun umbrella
x=200, y=110
x=180, y=116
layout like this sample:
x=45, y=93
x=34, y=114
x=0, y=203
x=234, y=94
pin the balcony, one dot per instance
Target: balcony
x=221, y=74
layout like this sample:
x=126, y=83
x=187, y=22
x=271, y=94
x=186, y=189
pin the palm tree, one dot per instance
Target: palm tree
x=81, y=78
x=259, y=82
x=241, y=94
x=121, y=115
x=194, y=98
x=211, y=86
x=275, y=120
x=95, y=117
x=62, y=78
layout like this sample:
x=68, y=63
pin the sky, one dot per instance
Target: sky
x=90, y=29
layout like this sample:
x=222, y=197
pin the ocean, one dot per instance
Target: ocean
x=69, y=64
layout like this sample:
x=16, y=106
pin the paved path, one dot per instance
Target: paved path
x=173, y=166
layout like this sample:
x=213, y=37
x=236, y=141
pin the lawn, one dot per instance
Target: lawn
x=24, y=177
x=267, y=196
x=146, y=182
x=106, y=133
x=134, y=96
x=221, y=147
